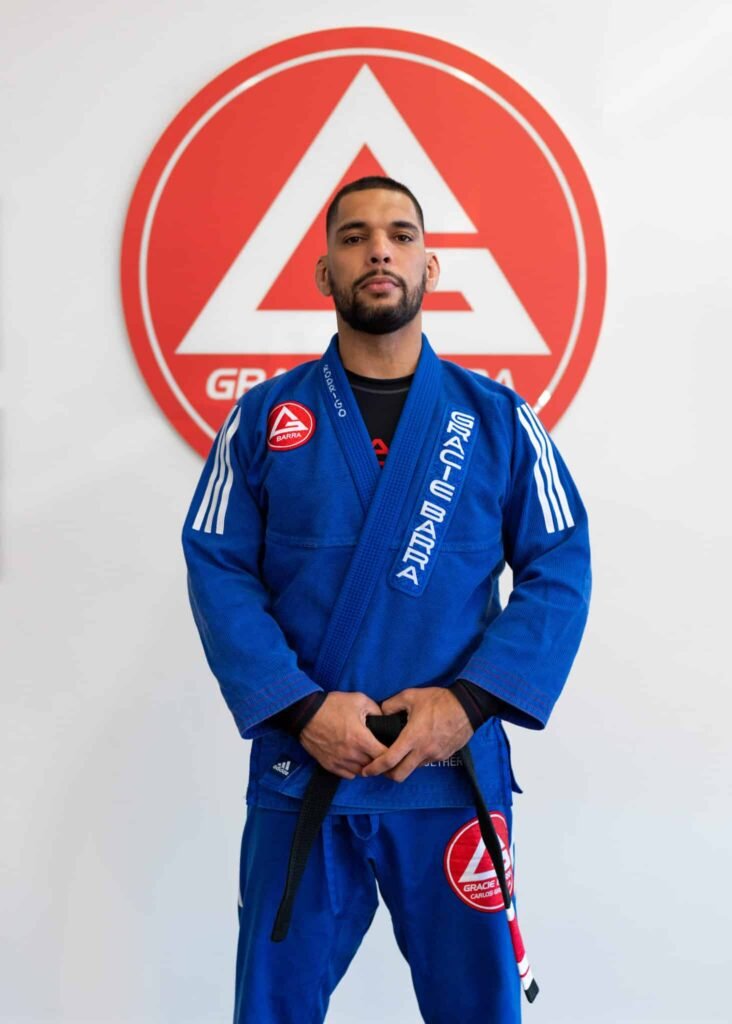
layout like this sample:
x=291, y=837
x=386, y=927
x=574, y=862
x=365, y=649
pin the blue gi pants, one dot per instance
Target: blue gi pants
x=461, y=959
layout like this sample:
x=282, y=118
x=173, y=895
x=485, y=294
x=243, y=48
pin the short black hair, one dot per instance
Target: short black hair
x=371, y=181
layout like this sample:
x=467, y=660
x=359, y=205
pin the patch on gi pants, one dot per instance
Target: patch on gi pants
x=469, y=868
x=289, y=425
x=285, y=766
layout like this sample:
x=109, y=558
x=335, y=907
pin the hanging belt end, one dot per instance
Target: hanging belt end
x=531, y=990
x=281, y=927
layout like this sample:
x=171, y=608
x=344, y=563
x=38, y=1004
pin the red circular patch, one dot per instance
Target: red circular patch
x=470, y=870
x=227, y=220
x=289, y=425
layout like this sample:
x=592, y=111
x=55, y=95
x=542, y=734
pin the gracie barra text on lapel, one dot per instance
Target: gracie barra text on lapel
x=439, y=496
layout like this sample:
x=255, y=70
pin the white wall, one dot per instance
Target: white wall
x=123, y=773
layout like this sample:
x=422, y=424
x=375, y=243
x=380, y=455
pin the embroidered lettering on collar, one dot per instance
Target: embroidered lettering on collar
x=438, y=499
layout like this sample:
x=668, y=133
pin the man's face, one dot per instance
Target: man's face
x=376, y=270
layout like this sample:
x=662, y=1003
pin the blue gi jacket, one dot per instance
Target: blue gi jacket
x=311, y=567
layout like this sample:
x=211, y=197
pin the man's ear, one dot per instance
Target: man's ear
x=322, y=277
x=432, y=272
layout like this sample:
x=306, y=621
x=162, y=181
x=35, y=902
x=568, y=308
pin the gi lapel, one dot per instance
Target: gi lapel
x=438, y=499
x=349, y=426
x=382, y=492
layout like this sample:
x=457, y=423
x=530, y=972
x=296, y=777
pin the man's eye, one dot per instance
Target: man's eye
x=404, y=238
x=350, y=239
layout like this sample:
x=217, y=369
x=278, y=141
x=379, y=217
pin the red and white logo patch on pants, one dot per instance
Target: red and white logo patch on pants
x=470, y=870
x=473, y=878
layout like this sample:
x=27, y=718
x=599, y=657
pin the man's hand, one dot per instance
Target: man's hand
x=437, y=727
x=337, y=736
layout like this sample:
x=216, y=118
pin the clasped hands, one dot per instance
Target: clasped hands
x=339, y=739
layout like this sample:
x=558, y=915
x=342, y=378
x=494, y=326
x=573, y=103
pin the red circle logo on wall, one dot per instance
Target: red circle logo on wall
x=227, y=220
x=289, y=425
x=470, y=870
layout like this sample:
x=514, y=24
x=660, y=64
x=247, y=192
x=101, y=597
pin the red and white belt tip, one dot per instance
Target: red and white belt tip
x=522, y=961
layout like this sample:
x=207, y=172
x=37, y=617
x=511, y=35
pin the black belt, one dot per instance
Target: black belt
x=317, y=800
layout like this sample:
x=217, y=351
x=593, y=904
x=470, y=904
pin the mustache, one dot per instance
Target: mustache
x=378, y=273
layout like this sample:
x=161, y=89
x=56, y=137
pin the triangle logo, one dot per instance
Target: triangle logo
x=289, y=425
x=480, y=866
x=226, y=221
x=233, y=322
x=285, y=421
x=470, y=870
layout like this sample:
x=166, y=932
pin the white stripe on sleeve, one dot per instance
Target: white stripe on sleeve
x=229, y=474
x=203, y=507
x=548, y=521
x=555, y=472
x=542, y=439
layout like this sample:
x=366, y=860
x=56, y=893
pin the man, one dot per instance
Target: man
x=344, y=547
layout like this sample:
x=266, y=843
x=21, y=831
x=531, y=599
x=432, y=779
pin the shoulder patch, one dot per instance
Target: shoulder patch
x=289, y=425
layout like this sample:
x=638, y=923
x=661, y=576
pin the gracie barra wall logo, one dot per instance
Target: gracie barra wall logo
x=227, y=220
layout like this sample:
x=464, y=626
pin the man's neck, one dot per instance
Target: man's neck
x=381, y=355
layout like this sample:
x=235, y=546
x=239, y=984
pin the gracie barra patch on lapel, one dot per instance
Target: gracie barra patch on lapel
x=438, y=498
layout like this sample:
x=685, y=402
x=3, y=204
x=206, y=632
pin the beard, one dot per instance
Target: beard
x=373, y=316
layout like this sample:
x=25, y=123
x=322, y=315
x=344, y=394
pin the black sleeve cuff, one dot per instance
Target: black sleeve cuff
x=479, y=705
x=294, y=718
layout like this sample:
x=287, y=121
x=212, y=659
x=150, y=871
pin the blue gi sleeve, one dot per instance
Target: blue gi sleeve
x=223, y=542
x=526, y=652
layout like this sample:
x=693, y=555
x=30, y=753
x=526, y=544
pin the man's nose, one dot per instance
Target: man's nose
x=380, y=249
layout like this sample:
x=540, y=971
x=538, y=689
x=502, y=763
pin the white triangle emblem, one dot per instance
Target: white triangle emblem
x=471, y=873
x=291, y=422
x=231, y=322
